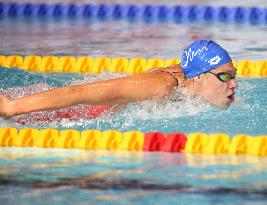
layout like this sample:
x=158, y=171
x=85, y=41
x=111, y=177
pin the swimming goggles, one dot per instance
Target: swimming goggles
x=223, y=76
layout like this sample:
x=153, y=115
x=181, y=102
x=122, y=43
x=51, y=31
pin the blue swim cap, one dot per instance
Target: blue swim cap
x=202, y=56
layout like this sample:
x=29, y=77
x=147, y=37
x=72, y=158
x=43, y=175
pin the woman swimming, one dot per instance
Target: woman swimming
x=206, y=70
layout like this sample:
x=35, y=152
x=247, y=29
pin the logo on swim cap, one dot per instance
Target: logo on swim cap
x=202, y=56
x=215, y=60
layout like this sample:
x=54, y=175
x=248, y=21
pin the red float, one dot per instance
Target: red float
x=154, y=141
x=175, y=142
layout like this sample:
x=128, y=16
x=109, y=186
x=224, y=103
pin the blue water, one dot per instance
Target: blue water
x=57, y=176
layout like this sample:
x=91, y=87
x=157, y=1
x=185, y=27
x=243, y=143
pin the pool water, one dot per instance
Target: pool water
x=57, y=176
x=69, y=176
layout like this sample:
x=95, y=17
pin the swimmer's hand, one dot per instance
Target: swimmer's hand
x=4, y=102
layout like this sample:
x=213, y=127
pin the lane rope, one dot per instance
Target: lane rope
x=197, y=143
x=87, y=64
x=134, y=13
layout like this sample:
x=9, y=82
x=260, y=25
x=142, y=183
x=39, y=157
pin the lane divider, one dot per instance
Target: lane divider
x=134, y=13
x=196, y=143
x=87, y=64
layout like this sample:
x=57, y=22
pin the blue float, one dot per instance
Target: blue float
x=225, y=14
x=209, y=14
x=265, y=15
x=149, y=13
x=194, y=13
x=58, y=10
x=43, y=11
x=133, y=13
x=118, y=12
x=164, y=14
x=179, y=13
x=240, y=15
x=88, y=11
x=73, y=11
x=256, y=15
x=3, y=10
x=14, y=10
x=29, y=10
x=103, y=12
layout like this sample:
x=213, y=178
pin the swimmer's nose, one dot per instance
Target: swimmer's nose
x=233, y=83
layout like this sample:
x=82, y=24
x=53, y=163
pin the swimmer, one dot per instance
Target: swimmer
x=206, y=70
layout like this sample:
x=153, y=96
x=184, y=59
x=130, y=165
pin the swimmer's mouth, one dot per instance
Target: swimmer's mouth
x=231, y=97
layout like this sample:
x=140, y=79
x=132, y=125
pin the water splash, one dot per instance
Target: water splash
x=179, y=104
x=179, y=112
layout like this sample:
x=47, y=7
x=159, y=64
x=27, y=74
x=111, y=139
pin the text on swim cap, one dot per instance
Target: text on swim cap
x=191, y=54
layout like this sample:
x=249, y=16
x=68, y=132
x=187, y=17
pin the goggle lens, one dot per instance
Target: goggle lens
x=223, y=76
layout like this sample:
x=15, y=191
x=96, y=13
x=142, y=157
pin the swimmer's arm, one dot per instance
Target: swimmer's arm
x=110, y=92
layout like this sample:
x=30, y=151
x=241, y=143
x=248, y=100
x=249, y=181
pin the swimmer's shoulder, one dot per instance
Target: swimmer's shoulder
x=171, y=68
x=175, y=71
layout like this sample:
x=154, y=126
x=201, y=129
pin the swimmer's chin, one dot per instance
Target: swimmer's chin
x=225, y=107
x=221, y=106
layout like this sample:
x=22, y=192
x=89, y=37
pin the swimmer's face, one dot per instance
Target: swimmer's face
x=214, y=90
